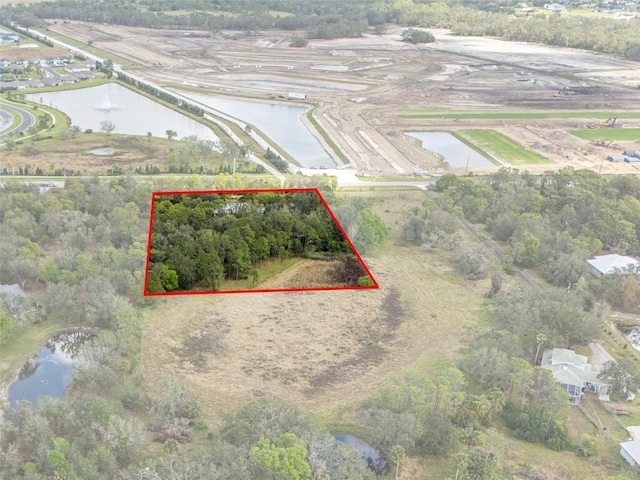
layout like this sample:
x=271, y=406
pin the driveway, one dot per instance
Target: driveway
x=600, y=357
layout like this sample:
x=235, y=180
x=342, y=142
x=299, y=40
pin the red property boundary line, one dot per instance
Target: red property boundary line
x=271, y=290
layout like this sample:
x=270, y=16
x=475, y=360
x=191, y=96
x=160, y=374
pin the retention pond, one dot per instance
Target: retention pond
x=455, y=153
x=49, y=373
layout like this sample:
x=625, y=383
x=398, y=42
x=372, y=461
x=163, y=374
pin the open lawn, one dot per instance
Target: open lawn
x=448, y=114
x=501, y=147
x=608, y=134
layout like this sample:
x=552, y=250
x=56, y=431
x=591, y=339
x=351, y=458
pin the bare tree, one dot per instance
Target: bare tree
x=107, y=126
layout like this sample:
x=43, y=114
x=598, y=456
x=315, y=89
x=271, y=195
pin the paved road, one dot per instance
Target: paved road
x=6, y=120
x=26, y=120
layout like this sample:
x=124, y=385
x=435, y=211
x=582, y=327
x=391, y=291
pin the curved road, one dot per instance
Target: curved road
x=27, y=120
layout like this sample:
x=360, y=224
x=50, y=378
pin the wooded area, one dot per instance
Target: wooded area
x=335, y=19
x=201, y=239
x=87, y=241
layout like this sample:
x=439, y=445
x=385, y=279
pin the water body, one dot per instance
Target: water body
x=132, y=113
x=49, y=373
x=367, y=452
x=281, y=123
x=455, y=152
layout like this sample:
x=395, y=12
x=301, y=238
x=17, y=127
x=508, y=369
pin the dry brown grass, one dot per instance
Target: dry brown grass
x=73, y=153
x=320, y=350
x=304, y=274
x=13, y=52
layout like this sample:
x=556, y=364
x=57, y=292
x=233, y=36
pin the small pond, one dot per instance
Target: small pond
x=367, y=452
x=455, y=153
x=49, y=373
x=281, y=123
x=103, y=152
x=132, y=113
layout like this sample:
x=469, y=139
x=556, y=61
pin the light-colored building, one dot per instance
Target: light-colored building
x=554, y=7
x=631, y=451
x=612, y=264
x=573, y=373
x=14, y=290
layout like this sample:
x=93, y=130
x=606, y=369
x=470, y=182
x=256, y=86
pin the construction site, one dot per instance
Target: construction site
x=369, y=91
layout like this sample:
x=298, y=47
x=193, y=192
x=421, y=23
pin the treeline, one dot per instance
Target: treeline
x=276, y=160
x=89, y=438
x=207, y=238
x=331, y=19
x=167, y=97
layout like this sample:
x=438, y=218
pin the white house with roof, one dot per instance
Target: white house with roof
x=573, y=373
x=631, y=451
x=612, y=264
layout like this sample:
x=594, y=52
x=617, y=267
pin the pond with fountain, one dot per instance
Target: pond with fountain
x=132, y=113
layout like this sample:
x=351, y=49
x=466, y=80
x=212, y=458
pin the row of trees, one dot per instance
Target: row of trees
x=206, y=238
x=331, y=19
x=162, y=95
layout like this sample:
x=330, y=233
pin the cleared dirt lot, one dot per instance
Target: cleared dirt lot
x=361, y=83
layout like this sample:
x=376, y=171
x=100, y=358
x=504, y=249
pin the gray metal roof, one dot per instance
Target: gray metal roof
x=613, y=263
x=14, y=290
x=633, y=449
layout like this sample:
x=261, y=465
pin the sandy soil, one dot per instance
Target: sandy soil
x=361, y=83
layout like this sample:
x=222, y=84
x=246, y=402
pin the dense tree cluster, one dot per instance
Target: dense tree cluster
x=414, y=35
x=334, y=18
x=553, y=222
x=209, y=237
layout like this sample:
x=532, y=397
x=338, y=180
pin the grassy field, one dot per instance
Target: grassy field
x=306, y=348
x=620, y=134
x=73, y=153
x=501, y=147
x=448, y=114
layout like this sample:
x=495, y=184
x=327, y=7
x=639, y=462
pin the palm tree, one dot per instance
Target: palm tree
x=541, y=338
x=397, y=455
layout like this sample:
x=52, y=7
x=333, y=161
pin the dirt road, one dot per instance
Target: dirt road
x=361, y=84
